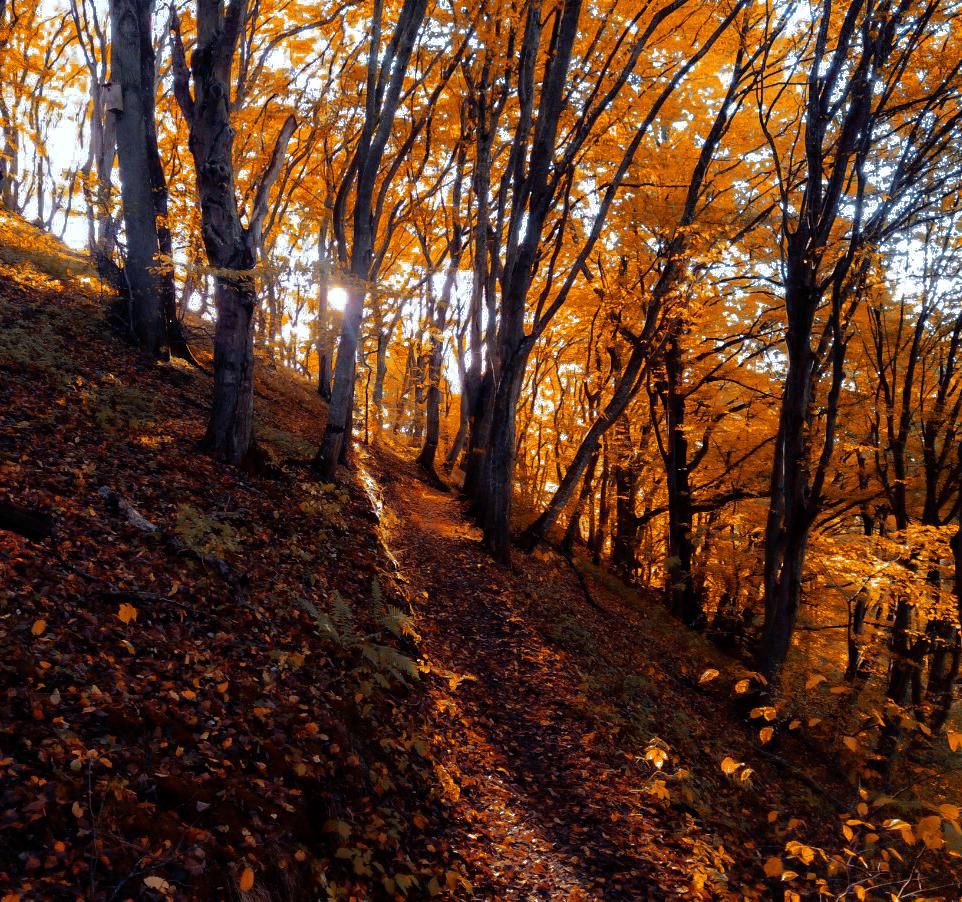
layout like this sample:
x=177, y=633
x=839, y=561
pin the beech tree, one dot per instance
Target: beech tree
x=541, y=176
x=203, y=93
x=148, y=257
x=387, y=70
x=863, y=156
x=661, y=313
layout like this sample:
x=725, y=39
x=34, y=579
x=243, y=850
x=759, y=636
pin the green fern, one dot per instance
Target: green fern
x=396, y=622
x=390, y=660
x=344, y=621
x=340, y=626
x=324, y=624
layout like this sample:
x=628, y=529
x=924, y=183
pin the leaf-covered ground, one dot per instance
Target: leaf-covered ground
x=586, y=750
x=175, y=720
x=219, y=685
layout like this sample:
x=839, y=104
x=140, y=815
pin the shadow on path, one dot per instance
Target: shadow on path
x=564, y=810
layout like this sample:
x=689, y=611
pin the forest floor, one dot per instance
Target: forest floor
x=224, y=685
x=586, y=749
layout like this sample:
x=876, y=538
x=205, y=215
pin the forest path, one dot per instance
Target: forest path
x=553, y=805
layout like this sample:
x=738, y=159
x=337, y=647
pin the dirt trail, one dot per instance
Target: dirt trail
x=551, y=807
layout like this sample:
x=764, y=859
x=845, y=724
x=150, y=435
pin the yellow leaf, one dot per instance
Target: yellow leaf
x=729, y=766
x=955, y=741
x=656, y=755
x=814, y=680
x=707, y=676
x=765, y=734
x=741, y=687
x=774, y=867
x=929, y=830
x=246, y=882
x=950, y=811
x=38, y=627
x=157, y=883
x=805, y=854
x=851, y=743
x=127, y=613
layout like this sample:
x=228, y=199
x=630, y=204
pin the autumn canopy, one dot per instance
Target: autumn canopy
x=661, y=297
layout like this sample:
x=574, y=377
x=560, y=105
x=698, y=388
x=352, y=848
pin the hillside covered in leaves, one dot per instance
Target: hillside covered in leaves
x=221, y=683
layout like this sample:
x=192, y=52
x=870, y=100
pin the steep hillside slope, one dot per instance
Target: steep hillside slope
x=228, y=685
x=202, y=692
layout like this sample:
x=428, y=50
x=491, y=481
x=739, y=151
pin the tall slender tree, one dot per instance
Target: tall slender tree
x=203, y=93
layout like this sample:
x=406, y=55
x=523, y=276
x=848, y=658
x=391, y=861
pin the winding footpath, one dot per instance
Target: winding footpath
x=550, y=804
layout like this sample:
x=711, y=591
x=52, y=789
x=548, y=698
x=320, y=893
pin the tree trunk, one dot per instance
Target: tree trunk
x=230, y=428
x=432, y=430
x=479, y=433
x=789, y=517
x=231, y=247
x=598, y=539
x=454, y=452
x=132, y=65
x=323, y=327
x=342, y=396
x=625, y=476
x=943, y=671
x=573, y=529
x=498, y=467
x=685, y=602
x=383, y=340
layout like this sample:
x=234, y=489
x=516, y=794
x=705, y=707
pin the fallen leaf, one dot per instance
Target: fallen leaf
x=246, y=882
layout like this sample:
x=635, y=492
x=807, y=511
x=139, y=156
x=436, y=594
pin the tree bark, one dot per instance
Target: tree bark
x=231, y=247
x=432, y=430
x=625, y=477
x=132, y=66
x=378, y=123
x=324, y=351
x=685, y=602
